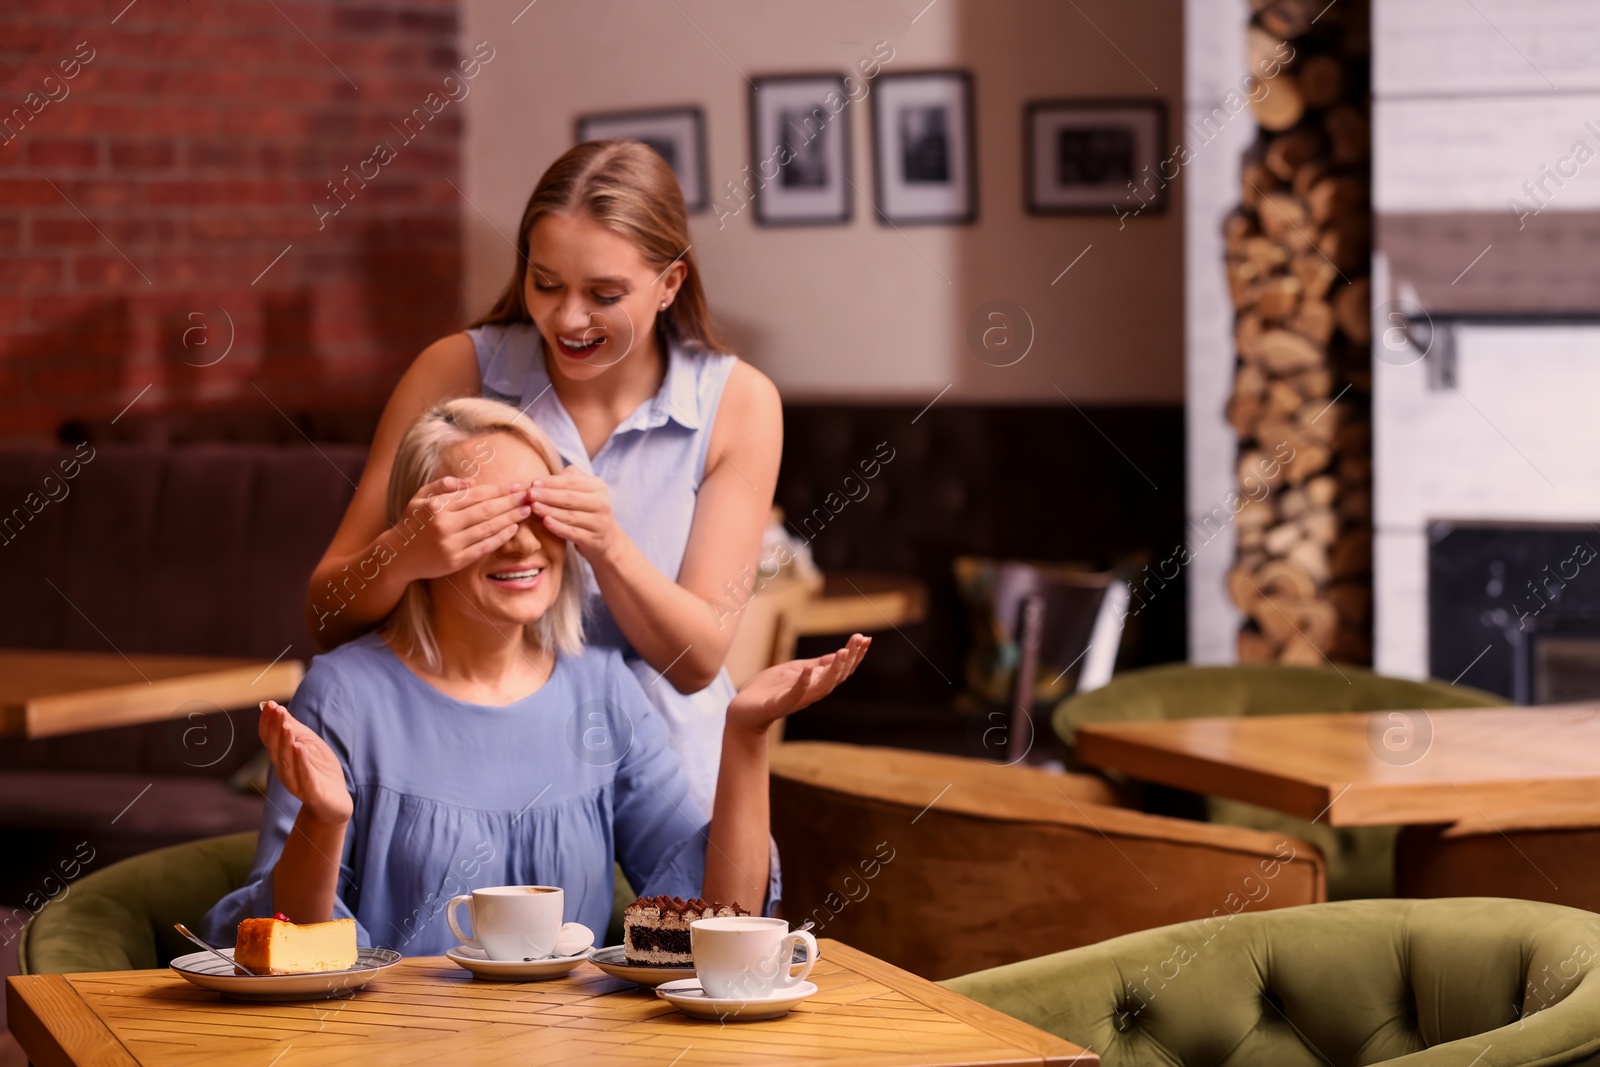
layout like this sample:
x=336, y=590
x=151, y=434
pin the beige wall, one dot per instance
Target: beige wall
x=861, y=310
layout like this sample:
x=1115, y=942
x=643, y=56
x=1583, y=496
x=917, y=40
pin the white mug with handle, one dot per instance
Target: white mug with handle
x=516, y=922
x=747, y=957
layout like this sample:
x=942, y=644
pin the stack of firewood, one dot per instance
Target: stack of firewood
x=1298, y=257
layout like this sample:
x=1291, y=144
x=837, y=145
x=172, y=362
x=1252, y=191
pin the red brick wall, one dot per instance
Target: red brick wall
x=154, y=168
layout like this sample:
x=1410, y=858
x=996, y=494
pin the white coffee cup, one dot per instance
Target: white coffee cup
x=746, y=957
x=513, y=922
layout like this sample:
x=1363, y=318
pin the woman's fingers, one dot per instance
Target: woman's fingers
x=271, y=727
x=574, y=526
x=438, y=497
x=843, y=663
x=566, y=478
x=277, y=734
x=583, y=520
x=496, y=506
x=500, y=526
x=304, y=764
x=581, y=499
x=559, y=528
x=440, y=486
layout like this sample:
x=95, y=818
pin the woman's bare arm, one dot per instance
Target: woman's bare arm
x=368, y=565
x=684, y=625
x=305, y=879
x=737, y=856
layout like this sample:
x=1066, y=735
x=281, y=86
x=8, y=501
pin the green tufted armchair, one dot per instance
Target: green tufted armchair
x=121, y=918
x=1476, y=981
x=1360, y=859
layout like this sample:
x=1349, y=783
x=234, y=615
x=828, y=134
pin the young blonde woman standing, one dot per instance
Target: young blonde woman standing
x=602, y=336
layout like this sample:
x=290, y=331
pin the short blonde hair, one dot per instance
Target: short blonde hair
x=418, y=461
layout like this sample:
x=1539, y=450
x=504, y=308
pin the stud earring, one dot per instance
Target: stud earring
x=663, y=305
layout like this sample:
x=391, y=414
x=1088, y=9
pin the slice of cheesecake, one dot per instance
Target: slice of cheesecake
x=276, y=946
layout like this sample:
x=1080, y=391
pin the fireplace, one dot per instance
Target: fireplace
x=1515, y=608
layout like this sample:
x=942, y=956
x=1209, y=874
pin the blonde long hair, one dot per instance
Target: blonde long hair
x=418, y=461
x=628, y=187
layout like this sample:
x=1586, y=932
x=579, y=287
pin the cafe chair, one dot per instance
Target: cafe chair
x=1552, y=855
x=1037, y=631
x=1419, y=983
x=120, y=918
x=942, y=865
x=1360, y=859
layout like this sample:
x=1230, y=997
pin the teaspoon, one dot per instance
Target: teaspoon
x=184, y=930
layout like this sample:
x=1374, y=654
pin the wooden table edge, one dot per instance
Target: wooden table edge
x=1103, y=745
x=55, y=1026
x=69, y=713
x=826, y=615
x=1049, y=1048
x=1338, y=804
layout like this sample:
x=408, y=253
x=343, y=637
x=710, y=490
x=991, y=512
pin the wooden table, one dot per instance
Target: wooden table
x=427, y=1010
x=862, y=601
x=45, y=692
x=1382, y=768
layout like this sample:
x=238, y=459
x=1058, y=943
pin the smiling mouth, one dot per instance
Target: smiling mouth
x=525, y=577
x=579, y=348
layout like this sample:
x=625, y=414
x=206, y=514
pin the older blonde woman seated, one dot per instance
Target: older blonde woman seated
x=473, y=740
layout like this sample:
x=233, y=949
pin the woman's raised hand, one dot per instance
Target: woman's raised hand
x=305, y=764
x=788, y=687
x=577, y=506
x=452, y=523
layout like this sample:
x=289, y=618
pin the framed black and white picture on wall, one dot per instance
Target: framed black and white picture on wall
x=923, y=147
x=800, y=150
x=676, y=133
x=1095, y=157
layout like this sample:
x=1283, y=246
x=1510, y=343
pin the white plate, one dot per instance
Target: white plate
x=206, y=971
x=613, y=960
x=687, y=996
x=482, y=966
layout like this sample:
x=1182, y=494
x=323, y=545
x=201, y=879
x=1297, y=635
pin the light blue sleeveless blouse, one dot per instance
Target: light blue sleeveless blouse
x=653, y=464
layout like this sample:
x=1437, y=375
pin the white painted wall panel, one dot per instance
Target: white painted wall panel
x=1481, y=47
x=1474, y=154
x=1214, y=62
x=1513, y=440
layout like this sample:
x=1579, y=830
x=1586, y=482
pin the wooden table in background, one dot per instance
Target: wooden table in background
x=428, y=1010
x=862, y=601
x=1370, y=769
x=44, y=692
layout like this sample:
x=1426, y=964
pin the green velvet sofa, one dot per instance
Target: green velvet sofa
x=1462, y=982
x=1360, y=859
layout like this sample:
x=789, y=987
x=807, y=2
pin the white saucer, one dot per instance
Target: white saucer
x=481, y=966
x=208, y=972
x=687, y=996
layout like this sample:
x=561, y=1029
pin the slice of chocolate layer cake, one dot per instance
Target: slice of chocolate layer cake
x=655, y=930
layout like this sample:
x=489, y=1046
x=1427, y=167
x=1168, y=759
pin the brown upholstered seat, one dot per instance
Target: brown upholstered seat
x=944, y=865
x=1551, y=855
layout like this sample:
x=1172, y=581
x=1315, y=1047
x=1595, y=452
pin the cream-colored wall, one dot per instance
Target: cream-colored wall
x=862, y=310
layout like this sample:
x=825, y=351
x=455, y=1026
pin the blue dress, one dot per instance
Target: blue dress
x=653, y=463
x=452, y=796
